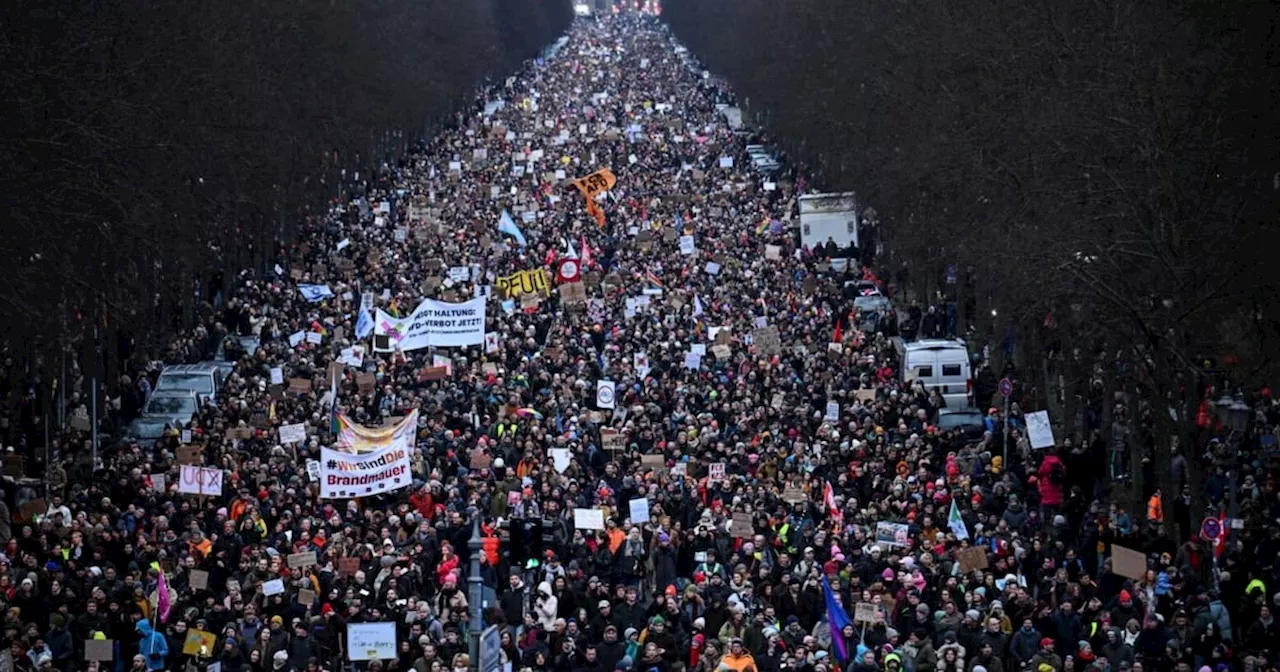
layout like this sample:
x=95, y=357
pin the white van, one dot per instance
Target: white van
x=941, y=364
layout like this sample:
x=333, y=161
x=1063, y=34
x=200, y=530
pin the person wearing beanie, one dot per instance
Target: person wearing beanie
x=60, y=641
x=1125, y=608
x=631, y=638
x=660, y=635
x=697, y=643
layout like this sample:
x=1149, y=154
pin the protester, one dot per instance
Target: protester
x=770, y=494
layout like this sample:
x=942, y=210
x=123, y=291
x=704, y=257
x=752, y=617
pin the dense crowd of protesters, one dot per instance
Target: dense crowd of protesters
x=742, y=429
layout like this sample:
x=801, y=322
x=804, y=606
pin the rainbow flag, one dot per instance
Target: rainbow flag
x=762, y=226
x=653, y=278
x=837, y=618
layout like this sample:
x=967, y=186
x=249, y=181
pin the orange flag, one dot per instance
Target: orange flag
x=600, y=181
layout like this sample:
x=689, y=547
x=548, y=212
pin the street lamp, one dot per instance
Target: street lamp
x=475, y=590
x=1234, y=415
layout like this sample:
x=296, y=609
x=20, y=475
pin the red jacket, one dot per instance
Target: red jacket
x=1050, y=492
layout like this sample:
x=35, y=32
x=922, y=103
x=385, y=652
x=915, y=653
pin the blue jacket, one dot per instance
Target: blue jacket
x=154, y=647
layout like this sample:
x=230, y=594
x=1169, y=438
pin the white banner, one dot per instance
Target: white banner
x=604, y=394
x=344, y=475
x=434, y=323
x=195, y=480
x=371, y=641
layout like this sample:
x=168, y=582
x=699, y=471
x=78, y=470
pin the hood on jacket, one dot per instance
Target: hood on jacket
x=144, y=626
x=544, y=588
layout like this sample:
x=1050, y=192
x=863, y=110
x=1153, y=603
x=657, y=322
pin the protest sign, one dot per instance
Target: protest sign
x=588, y=519
x=295, y=433
x=188, y=455
x=435, y=324
x=198, y=642
x=1039, y=431
x=1128, y=562
x=866, y=612
x=612, y=440
x=371, y=641
x=524, y=282
x=892, y=534
x=200, y=481
x=301, y=560
x=639, y=510
x=972, y=559
x=343, y=475
x=99, y=649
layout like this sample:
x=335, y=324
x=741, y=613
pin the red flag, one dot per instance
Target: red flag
x=586, y=252
x=838, y=336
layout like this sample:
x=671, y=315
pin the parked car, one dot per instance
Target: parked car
x=174, y=407
x=203, y=379
x=968, y=422
x=146, y=430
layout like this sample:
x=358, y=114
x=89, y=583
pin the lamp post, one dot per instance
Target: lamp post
x=475, y=591
x=1234, y=414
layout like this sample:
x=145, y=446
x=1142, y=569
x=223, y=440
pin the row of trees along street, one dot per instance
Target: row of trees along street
x=153, y=150
x=1111, y=165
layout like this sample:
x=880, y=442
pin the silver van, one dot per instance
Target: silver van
x=942, y=365
x=204, y=379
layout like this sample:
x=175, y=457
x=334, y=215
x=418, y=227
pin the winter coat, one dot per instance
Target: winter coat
x=153, y=646
x=1050, y=492
x=1024, y=644
x=546, y=607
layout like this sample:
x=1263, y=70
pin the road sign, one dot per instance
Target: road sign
x=1006, y=387
x=1210, y=529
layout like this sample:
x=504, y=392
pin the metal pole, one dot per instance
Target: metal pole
x=62, y=392
x=1005, y=420
x=93, y=403
x=45, y=412
x=475, y=591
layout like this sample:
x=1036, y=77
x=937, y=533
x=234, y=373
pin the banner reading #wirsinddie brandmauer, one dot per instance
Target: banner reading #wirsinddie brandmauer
x=434, y=323
x=343, y=475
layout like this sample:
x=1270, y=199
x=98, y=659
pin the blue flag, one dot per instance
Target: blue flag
x=837, y=618
x=314, y=293
x=364, y=324
x=508, y=226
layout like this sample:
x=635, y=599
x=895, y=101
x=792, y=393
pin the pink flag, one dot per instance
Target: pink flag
x=162, y=598
x=586, y=252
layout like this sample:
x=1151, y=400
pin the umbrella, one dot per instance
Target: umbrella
x=529, y=413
